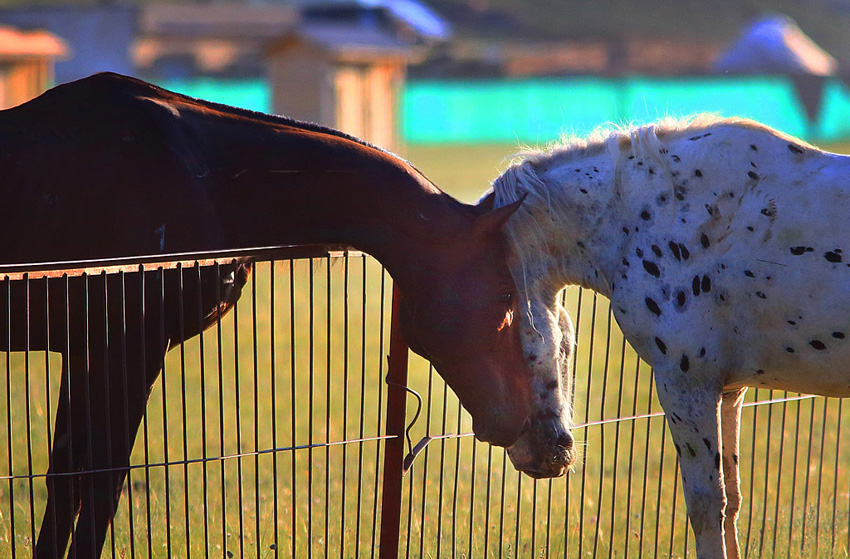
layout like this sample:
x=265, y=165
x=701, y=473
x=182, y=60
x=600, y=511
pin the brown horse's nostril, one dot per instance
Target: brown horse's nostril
x=565, y=440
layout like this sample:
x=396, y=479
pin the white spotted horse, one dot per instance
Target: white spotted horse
x=110, y=166
x=722, y=246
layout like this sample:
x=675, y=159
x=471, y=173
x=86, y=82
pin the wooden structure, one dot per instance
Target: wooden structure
x=26, y=64
x=342, y=76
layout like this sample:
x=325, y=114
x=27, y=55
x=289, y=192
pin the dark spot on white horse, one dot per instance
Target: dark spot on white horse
x=691, y=450
x=652, y=306
x=657, y=251
x=645, y=215
x=706, y=284
x=704, y=240
x=651, y=171
x=685, y=252
x=626, y=230
x=684, y=364
x=694, y=138
x=710, y=209
x=674, y=248
x=792, y=323
x=697, y=173
x=818, y=345
x=678, y=450
x=661, y=200
x=578, y=170
x=707, y=443
x=795, y=149
x=662, y=347
x=651, y=268
x=749, y=274
x=679, y=191
x=640, y=163
x=583, y=190
x=749, y=228
x=639, y=252
x=753, y=175
x=580, y=244
x=789, y=349
x=626, y=263
x=833, y=256
x=761, y=295
x=676, y=158
x=798, y=250
x=838, y=335
x=681, y=298
x=702, y=352
x=696, y=286
x=753, y=147
x=631, y=157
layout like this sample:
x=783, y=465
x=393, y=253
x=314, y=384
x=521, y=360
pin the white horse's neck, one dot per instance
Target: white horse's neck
x=590, y=206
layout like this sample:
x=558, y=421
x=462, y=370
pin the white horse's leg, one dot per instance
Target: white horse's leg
x=730, y=420
x=692, y=408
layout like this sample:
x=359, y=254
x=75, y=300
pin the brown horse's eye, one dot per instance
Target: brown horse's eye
x=506, y=298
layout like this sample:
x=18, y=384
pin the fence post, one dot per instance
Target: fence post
x=394, y=448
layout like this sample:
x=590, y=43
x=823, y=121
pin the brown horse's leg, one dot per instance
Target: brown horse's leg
x=63, y=496
x=120, y=390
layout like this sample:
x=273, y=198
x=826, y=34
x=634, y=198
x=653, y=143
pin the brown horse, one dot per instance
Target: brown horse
x=111, y=166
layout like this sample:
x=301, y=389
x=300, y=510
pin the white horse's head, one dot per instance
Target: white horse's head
x=546, y=447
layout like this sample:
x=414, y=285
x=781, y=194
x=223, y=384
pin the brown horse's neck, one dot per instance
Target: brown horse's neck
x=295, y=186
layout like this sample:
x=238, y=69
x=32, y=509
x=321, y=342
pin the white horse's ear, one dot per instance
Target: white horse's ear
x=493, y=220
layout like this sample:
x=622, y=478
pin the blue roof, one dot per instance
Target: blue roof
x=415, y=14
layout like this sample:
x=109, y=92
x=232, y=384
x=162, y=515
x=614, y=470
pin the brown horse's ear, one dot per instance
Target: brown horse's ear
x=493, y=220
x=486, y=203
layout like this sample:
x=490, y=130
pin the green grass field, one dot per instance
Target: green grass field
x=315, y=375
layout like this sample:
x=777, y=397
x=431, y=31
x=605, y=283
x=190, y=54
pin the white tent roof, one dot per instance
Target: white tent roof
x=775, y=44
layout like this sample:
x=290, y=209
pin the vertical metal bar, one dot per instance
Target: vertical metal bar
x=808, y=474
x=143, y=359
x=380, y=404
x=311, y=370
x=28, y=407
x=238, y=401
x=582, y=499
x=820, y=472
x=425, y=458
x=345, y=348
x=275, y=545
x=254, y=334
x=107, y=396
x=835, y=479
x=203, y=398
x=126, y=403
x=181, y=322
x=456, y=479
x=47, y=403
x=292, y=404
x=442, y=473
x=606, y=361
x=8, y=317
x=328, y=357
x=362, y=430
x=163, y=347
x=394, y=452
x=87, y=398
x=778, y=478
x=221, y=427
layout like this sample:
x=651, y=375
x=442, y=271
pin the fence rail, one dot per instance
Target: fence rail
x=284, y=431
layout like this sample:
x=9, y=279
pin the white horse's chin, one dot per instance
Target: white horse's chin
x=543, y=451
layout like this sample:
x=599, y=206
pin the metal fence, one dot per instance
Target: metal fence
x=278, y=433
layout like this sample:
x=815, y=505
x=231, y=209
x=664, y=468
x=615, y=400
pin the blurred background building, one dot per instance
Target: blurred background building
x=455, y=71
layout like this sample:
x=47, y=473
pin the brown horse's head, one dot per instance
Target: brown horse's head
x=466, y=322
